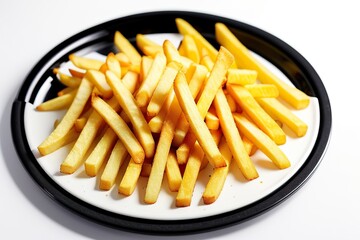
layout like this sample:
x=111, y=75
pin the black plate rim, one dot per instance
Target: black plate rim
x=177, y=226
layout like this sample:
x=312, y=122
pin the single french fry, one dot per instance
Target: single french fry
x=190, y=48
x=149, y=84
x=173, y=55
x=173, y=173
x=52, y=142
x=80, y=124
x=85, y=63
x=257, y=113
x=146, y=167
x=130, y=178
x=197, y=123
x=185, y=28
x=263, y=90
x=76, y=73
x=196, y=75
x=100, y=152
x=120, y=128
x=249, y=146
x=218, y=177
x=116, y=159
x=128, y=104
x=262, y=141
x=276, y=108
x=233, y=138
x=126, y=47
x=123, y=59
x=223, y=61
x=244, y=59
x=162, y=149
x=99, y=81
x=163, y=88
x=57, y=103
x=207, y=62
x=152, y=51
x=146, y=63
x=241, y=76
x=131, y=81
x=142, y=42
x=69, y=81
x=65, y=90
x=232, y=104
x=183, y=198
x=211, y=119
x=113, y=65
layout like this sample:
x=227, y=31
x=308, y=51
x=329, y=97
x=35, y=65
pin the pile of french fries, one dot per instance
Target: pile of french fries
x=167, y=110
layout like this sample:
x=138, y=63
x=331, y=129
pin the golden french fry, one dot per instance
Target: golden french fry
x=173, y=173
x=80, y=124
x=196, y=75
x=123, y=59
x=149, y=84
x=99, y=153
x=185, y=28
x=113, y=65
x=244, y=59
x=76, y=73
x=197, y=160
x=131, y=81
x=163, y=88
x=232, y=104
x=75, y=157
x=262, y=90
x=99, y=81
x=190, y=49
x=216, y=182
x=233, y=138
x=163, y=148
x=183, y=198
x=57, y=103
x=69, y=81
x=126, y=47
x=256, y=113
x=120, y=128
x=207, y=62
x=156, y=122
x=262, y=141
x=85, y=63
x=144, y=42
x=65, y=91
x=223, y=61
x=116, y=159
x=211, y=119
x=197, y=123
x=128, y=104
x=276, y=108
x=173, y=55
x=130, y=178
x=241, y=76
x=52, y=142
x=146, y=63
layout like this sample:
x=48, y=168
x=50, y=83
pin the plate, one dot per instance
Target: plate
x=240, y=200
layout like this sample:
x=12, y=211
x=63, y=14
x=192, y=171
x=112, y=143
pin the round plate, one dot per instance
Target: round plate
x=99, y=39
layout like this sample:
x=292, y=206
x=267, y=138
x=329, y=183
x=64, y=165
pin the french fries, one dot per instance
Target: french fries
x=244, y=59
x=233, y=137
x=169, y=112
x=197, y=123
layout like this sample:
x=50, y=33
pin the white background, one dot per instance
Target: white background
x=326, y=33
